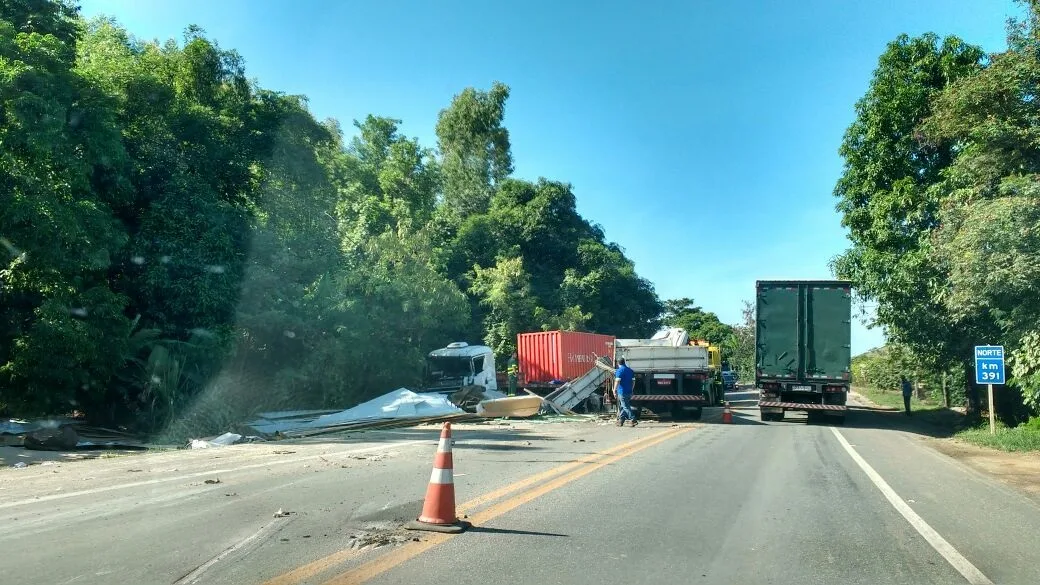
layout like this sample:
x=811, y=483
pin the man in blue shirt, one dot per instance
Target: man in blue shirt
x=624, y=379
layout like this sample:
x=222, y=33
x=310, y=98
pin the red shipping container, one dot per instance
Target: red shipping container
x=545, y=356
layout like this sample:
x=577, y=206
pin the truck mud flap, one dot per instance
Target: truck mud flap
x=803, y=406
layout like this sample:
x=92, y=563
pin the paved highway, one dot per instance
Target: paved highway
x=573, y=503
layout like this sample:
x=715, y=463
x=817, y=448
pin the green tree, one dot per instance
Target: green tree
x=180, y=247
x=386, y=183
x=700, y=324
x=743, y=354
x=887, y=204
x=986, y=240
x=475, y=151
x=62, y=171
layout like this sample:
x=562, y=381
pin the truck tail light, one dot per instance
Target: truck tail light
x=833, y=388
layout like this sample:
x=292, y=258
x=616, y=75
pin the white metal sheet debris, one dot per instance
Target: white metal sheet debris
x=401, y=404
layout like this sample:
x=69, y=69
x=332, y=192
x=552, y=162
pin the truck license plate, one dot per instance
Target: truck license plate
x=801, y=388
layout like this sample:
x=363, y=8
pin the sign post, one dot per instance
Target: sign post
x=989, y=370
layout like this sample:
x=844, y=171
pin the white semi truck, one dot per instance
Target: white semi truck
x=460, y=365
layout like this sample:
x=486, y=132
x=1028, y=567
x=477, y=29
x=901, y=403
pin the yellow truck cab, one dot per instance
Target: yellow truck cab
x=715, y=365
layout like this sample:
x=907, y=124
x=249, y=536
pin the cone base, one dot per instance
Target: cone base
x=455, y=528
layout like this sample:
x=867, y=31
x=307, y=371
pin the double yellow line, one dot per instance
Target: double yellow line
x=540, y=484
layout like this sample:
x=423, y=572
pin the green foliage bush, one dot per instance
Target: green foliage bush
x=182, y=248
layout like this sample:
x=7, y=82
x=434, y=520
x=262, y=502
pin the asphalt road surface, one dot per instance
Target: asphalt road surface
x=568, y=502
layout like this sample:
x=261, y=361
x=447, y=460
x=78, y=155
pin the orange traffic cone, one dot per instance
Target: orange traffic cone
x=438, y=513
x=727, y=416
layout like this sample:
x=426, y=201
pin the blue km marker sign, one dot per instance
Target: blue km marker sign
x=989, y=364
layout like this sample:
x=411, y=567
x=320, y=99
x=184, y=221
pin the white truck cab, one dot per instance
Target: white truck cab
x=459, y=365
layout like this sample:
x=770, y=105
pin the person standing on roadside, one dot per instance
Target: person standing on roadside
x=513, y=371
x=908, y=391
x=624, y=379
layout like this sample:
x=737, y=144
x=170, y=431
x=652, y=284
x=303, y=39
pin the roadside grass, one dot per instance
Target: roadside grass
x=895, y=399
x=945, y=422
x=1024, y=437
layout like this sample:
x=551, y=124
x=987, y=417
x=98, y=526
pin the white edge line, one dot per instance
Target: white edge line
x=944, y=548
x=194, y=575
x=285, y=461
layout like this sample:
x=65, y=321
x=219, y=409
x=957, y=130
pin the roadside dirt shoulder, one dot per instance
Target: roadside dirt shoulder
x=1021, y=470
x=1017, y=469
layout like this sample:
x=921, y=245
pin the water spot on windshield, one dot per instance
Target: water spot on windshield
x=290, y=334
x=139, y=260
x=215, y=269
x=165, y=259
x=78, y=312
x=11, y=249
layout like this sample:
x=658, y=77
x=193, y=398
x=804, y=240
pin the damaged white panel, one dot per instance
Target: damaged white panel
x=399, y=404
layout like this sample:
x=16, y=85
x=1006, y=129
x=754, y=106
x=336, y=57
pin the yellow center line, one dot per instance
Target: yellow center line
x=318, y=566
x=491, y=496
x=394, y=558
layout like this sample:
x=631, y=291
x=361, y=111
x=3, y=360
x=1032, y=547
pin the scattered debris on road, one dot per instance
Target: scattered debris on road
x=511, y=407
x=20, y=465
x=223, y=441
x=63, y=434
x=380, y=538
x=401, y=407
x=281, y=513
x=212, y=481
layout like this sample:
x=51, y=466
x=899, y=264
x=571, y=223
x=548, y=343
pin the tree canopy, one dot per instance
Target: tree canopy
x=939, y=194
x=178, y=243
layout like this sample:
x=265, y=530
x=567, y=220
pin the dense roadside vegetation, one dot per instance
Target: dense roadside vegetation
x=737, y=342
x=182, y=245
x=941, y=198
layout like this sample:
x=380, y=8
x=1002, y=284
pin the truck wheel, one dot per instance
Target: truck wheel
x=765, y=416
x=696, y=414
x=839, y=420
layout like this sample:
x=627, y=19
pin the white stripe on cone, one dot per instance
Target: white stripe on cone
x=442, y=476
x=444, y=446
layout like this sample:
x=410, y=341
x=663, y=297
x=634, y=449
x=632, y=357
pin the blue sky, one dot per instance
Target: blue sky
x=702, y=135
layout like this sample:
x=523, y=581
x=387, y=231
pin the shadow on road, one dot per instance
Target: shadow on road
x=745, y=418
x=487, y=530
x=433, y=434
x=485, y=446
x=931, y=422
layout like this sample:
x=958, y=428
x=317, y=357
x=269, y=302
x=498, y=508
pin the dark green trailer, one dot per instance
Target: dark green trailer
x=803, y=350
